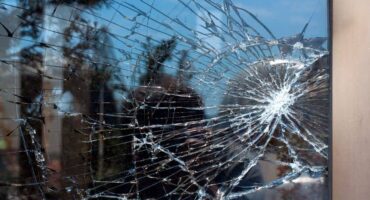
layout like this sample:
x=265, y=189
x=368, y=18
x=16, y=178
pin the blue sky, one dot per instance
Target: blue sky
x=283, y=17
x=287, y=17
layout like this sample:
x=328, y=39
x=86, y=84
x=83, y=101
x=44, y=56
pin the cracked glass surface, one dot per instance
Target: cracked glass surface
x=164, y=99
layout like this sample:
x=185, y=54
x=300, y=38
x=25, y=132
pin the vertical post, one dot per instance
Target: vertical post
x=31, y=159
x=101, y=132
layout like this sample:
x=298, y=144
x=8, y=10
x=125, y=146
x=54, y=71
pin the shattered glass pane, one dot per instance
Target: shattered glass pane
x=164, y=99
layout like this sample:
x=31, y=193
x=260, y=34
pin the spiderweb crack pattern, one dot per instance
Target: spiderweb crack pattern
x=193, y=101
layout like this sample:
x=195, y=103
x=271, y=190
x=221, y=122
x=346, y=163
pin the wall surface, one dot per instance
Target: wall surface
x=351, y=99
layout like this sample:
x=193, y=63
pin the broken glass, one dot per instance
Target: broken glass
x=170, y=99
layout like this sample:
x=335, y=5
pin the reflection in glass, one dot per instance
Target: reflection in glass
x=172, y=99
